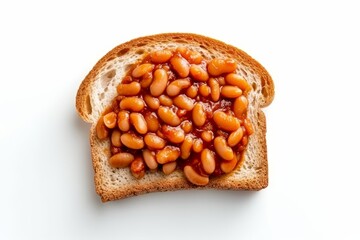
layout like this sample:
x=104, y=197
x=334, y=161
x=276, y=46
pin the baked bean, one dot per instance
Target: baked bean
x=194, y=177
x=142, y=69
x=207, y=136
x=132, y=141
x=221, y=81
x=152, y=121
x=244, y=140
x=168, y=116
x=173, y=134
x=228, y=166
x=192, y=92
x=226, y=122
x=180, y=65
x=208, y=161
x=101, y=131
x=160, y=56
x=146, y=80
x=121, y=160
x=237, y=80
x=214, y=89
x=129, y=89
x=198, y=73
x=218, y=66
x=248, y=126
x=184, y=102
x=198, y=115
x=115, y=138
x=204, y=90
x=124, y=121
x=152, y=102
x=181, y=112
x=221, y=148
x=110, y=120
x=168, y=154
x=230, y=91
x=240, y=106
x=235, y=137
x=137, y=167
x=186, y=126
x=138, y=121
x=149, y=158
x=198, y=145
x=165, y=100
x=134, y=104
x=159, y=83
x=169, y=167
x=176, y=86
x=186, y=146
x=153, y=141
x=191, y=56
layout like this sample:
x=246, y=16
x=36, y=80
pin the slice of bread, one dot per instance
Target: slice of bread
x=98, y=89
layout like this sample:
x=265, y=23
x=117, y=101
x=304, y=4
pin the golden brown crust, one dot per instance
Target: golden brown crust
x=82, y=105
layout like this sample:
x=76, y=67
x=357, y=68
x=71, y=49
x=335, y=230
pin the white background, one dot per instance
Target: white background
x=311, y=49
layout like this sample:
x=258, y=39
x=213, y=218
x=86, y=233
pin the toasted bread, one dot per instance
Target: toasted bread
x=98, y=89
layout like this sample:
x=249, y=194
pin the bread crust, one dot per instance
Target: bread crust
x=167, y=183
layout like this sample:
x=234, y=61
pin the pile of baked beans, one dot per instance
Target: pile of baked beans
x=177, y=110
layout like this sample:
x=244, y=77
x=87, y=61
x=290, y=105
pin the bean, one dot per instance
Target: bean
x=235, y=137
x=130, y=89
x=101, y=131
x=152, y=121
x=198, y=145
x=191, y=56
x=198, y=73
x=137, y=167
x=149, y=158
x=165, y=100
x=152, y=102
x=248, y=126
x=142, y=69
x=221, y=148
x=194, y=177
x=237, y=80
x=176, y=86
x=115, y=138
x=208, y=161
x=121, y=160
x=146, y=80
x=160, y=56
x=138, y=121
x=215, y=89
x=186, y=126
x=204, y=90
x=168, y=154
x=180, y=65
x=110, y=120
x=159, y=83
x=198, y=115
x=230, y=91
x=218, y=66
x=226, y=122
x=186, y=146
x=124, y=121
x=173, y=134
x=169, y=167
x=240, y=106
x=134, y=104
x=207, y=136
x=168, y=116
x=132, y=141
x=184, y=102
x=192, y=91
x=154, y=142
x=228, y=166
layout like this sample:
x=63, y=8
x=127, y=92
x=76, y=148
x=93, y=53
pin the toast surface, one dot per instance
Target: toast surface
x=99, y=88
